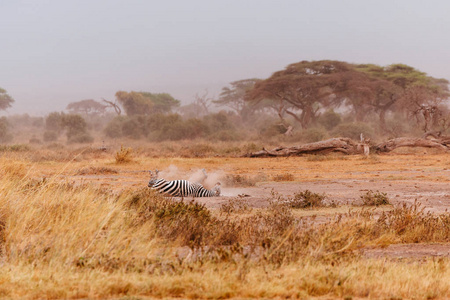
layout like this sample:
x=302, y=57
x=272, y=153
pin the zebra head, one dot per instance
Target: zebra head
x=216, y=189
x=153, y=178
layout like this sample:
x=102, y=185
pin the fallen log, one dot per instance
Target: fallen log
x=440, y=143
x=343, y=145
x=350, y=147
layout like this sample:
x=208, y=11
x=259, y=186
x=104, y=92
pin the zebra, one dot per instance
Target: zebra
x=181, y=188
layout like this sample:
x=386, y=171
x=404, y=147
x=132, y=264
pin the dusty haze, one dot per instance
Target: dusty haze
x=56, y=52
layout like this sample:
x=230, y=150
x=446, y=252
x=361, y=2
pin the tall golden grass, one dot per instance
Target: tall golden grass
x=59, y=239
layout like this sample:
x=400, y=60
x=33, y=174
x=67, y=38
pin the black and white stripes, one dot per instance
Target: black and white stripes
x=182, y=188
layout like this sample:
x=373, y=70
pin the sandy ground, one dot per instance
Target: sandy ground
x=434, y=195
x=402, y=178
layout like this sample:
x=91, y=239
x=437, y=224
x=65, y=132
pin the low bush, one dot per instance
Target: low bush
x=283, y=177
x=330, y=119
x=306, y=199
x=235, y=205
x=312, y=135
x=353, y=130
x=375, y=198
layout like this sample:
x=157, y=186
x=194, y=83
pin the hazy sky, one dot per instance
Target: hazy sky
x=56, y=52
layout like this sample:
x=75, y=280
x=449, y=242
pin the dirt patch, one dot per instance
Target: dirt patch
x=425, y=179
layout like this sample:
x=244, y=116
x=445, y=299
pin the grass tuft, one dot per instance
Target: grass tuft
x=124, y=155
x=375, y=198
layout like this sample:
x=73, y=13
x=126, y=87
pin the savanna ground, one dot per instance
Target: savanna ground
x=81, y=223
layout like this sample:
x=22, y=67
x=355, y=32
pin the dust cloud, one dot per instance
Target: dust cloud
x=208, y=178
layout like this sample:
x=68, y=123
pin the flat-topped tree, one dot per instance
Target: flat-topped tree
x=88, y=106
x=301, y=89
x=399, y=87
x=233, y=96
x=304, y=89
x=144, y=103
x=5, y=99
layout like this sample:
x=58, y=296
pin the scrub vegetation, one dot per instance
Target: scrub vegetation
x=66, y=239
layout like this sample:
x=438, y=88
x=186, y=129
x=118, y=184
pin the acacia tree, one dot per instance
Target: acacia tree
x=75, y=126
x=355, y=90
x=144, y=103
x=234, y=96
x=425, y=104
x=5, y=99
x=86, y=107
x=401, y=87
x=198, y=108
x=303, y=88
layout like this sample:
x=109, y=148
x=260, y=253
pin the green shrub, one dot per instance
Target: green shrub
x=114, y=128
x=312, y=135
x=330, y=119
x=131, y=128
x=54, y=122
x=353, y=130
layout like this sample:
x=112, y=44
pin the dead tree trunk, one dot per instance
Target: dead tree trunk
x=114, y=105
x=343, y=145
x=442, y=143
x=348, y=146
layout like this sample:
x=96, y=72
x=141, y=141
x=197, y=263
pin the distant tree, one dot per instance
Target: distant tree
x=303, y=87
x=401, y=87
x=143, y=103
x=74, y=125
x=162, y=102
x=76, y=129
x=203, y=102
x=54, y=122
x=426, y=106
x=86, y=107
x=134, y=103
x=5, y=99
x=191, y=110
x=114, y=105
x=198, y=108
x=234, y=96
x=303, y=90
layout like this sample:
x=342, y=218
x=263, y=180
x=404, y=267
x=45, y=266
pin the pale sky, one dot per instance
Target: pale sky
x=56, y=52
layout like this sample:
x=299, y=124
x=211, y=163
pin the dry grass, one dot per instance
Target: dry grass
x=123, y=155
x=283, y=177
x=377, y=198
x=64, y=240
